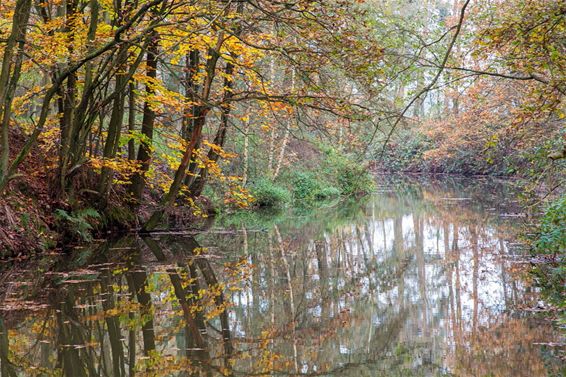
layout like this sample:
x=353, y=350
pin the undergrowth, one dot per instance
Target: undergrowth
x=550, y=244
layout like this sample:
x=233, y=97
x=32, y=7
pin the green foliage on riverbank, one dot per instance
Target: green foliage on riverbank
x=336, y=175
x=550, y=247
x=269, y=194
x=77, y=224
x=552, y=240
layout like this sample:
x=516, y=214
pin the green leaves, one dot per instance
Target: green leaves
x=269, y=194
x=552, y=239
x=78, y=224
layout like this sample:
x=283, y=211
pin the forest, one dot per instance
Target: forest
x=278, y=138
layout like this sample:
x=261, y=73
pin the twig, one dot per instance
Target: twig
x=434, y=80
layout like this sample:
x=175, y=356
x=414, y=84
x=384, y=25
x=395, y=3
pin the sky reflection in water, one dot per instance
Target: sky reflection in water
x=416, y=280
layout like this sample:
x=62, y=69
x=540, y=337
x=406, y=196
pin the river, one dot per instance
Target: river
x=422, y=278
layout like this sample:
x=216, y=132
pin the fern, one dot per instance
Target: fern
x=78, y=223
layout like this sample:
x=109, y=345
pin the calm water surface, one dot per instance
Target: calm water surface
x=419, y=279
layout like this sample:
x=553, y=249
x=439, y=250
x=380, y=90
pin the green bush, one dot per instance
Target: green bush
x=335, y=174
x=354, y=179
x=551, y=241
x=552, y=237
x=308, y=188
x=351, y=177
x=328, y=193
x=305, y=187
x=268, y=194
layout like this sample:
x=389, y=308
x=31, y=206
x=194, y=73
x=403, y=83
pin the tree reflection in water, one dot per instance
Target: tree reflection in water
x=409, y=282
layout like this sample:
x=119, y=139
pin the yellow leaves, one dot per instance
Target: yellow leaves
x=163, y=101
x=108, y=6
x=50, y=136
x=123, y=307
x=123, y=167
x=247, y=54
x=49, y=49
x=267, y=357
x=178, y=42
x=280, y=106
x=21, y=103
x=238, y=196
x=218, y=150
x=104, y=31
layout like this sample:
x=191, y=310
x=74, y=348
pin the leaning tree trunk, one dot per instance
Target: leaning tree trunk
x=197, y=186
x=201, y=112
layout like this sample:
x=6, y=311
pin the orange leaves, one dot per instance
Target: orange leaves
x=496, y=120
x=280, y=106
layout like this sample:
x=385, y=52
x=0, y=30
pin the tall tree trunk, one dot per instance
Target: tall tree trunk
x=114, y=130
x=148, y=121
x=9, y=77
x=67, y=99
x=117, y=115
x=131, y=120
x=180, y=174
x=189, y=117
x=198, y=182
x=246, y=153
x=272, y=134
x=73, y=147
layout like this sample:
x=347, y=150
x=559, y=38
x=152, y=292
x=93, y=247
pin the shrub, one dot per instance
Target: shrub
x=268, y=194
x=354, y=179
x=328, y=193
x=551, y=241
x=351, y=177
x=305, y=187
x=406, y=153
x=309, y=188
x=552, y=237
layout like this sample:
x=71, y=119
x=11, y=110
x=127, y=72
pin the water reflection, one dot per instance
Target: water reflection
x=416, y=280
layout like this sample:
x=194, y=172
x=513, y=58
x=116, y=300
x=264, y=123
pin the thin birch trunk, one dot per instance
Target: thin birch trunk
x=246, y=153
x=287, y=131
x=272, y=135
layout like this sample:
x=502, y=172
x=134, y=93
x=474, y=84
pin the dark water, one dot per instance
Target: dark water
x=420, y=279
